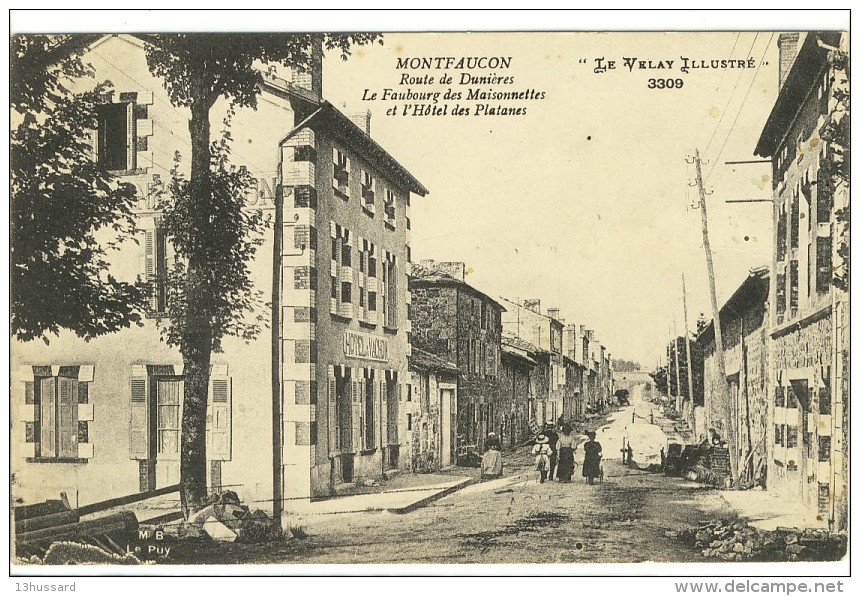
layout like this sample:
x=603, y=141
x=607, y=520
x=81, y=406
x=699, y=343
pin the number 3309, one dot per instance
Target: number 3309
x=665, y=83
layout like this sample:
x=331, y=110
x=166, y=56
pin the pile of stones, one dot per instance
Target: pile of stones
x=224, y=518
x=737, y=541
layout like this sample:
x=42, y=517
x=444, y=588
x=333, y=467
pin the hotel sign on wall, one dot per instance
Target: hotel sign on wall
x=365, y=346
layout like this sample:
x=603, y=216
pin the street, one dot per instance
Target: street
x=630, y=517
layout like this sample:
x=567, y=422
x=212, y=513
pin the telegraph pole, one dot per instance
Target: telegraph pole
x=721, y=385
x=687, y=342
x=677, y=367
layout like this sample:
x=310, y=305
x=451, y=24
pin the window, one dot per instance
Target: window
x=794, y=288
x=781, y=240
x=340, y=175
x=155, y=424
x=390, y=207
x=346, y=292
x=790, y=436
x=346, y=254
x=368, y=192
x=795, y=220
x=823, y=448
x=155, y=268
x=391, y=292
x=369, y=410
x=779, y=396
x=116, y=136
x=56, y=430
x=169, y=394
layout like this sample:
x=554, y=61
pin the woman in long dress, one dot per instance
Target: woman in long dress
x=593, y=454
x=565, y=447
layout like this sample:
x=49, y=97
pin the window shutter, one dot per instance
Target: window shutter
x=383, y=410
x=48, y=418
x=67, y=441
x=220, y=420
x=362, y=401
x=356, y=413
x=332, y=411
x=139, y=420
x=130, y=136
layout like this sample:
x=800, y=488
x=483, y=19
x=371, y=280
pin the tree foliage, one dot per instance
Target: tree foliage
x=228, y=240
x=210, y=289
x=66, y=211
x=836, y=160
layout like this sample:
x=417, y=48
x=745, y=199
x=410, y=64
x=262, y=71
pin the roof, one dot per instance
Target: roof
x=753, y=291
x=421, y=275
x=511, y=352
x=427, y=361
x=801, y=79
x=539, y=314
x=514, y=341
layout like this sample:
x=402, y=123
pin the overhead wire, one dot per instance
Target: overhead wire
x=728, y=103
x=719, y=86
x=740, y=109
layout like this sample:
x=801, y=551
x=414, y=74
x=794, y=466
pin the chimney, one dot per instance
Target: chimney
x=311, y=79
x=532, y=304
x=553, y=313
x=787, y=43
x=361, y=120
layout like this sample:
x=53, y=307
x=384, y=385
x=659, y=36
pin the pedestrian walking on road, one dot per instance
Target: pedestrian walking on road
x=566, y=446
x=593, y=455
x=553, y=441
x=491, y=462
x=541, y=451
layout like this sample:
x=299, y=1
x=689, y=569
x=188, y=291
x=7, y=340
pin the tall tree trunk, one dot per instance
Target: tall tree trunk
x=196, y=346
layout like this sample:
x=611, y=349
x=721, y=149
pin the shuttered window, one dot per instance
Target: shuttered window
x=60, y=419
x=117, y=140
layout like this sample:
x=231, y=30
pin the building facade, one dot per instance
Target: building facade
x=101, y=419
x=808, y=331
x=518, y=390
x=744, y=324
x=431, y=412
x=544, y=331
x=461, y=324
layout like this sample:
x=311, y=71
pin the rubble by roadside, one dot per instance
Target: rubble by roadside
x=737, y=541
x=223, y=518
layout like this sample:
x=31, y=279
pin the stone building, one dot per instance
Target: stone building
x=101, y=419
x=430, y=411
x=517, y=393
x=808, y=348
x=744, y=324
x=457, y=322
x=545, y=332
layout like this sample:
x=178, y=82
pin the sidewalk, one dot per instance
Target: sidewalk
x=409, y=493
x=768, y=511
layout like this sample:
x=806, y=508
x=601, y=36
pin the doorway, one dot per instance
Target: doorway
x=447, y=427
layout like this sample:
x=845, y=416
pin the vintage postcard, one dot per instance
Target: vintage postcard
x=415, y=298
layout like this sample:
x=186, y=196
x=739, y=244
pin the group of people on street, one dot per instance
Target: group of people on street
x=554, y=455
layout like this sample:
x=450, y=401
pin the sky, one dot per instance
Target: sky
x=584, y=201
